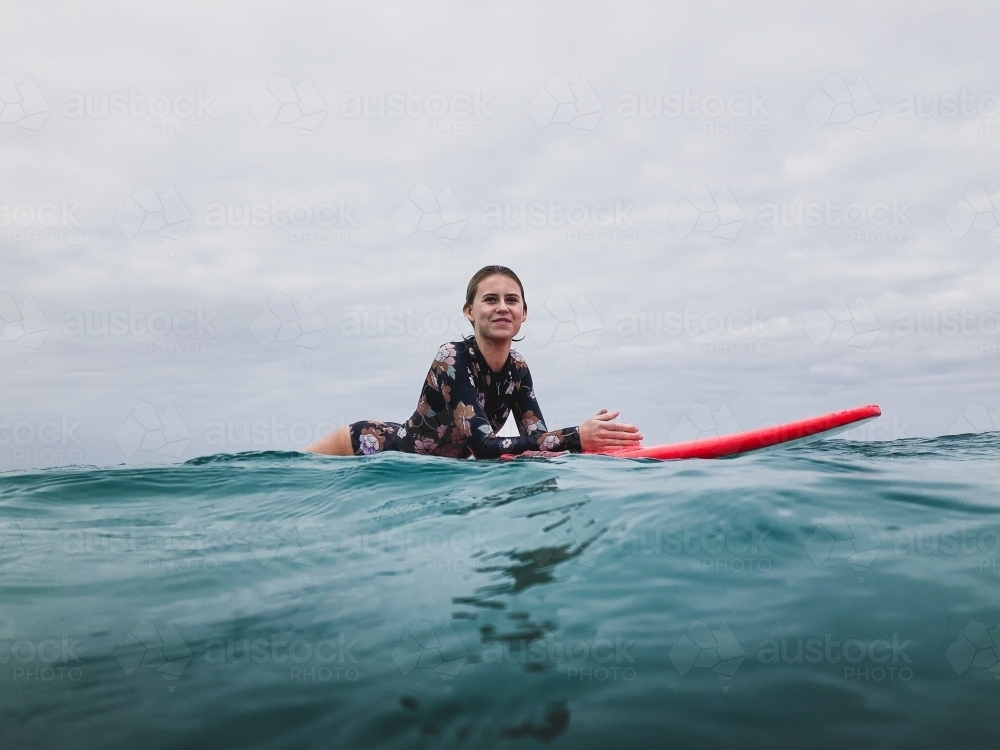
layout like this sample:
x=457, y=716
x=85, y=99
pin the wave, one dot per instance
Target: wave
x=275, y=599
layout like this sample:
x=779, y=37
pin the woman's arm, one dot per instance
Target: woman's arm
x=473, y=425
x=430, y=426
x=528, y=415
x=449, y=418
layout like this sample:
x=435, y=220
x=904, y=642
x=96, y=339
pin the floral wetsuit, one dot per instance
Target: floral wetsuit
x=462, y=405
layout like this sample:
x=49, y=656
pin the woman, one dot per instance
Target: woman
x=472, y=387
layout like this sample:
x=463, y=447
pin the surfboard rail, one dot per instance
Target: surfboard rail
x=743, y=442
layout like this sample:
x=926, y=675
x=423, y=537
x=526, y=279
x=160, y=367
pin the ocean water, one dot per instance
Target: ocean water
x=838, y=594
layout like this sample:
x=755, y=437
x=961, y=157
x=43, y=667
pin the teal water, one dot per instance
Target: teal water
x=826, y=594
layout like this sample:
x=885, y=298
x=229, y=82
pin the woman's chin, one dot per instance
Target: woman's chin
x=501, y=335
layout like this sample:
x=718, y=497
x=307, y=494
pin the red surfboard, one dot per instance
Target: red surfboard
x=814, y=428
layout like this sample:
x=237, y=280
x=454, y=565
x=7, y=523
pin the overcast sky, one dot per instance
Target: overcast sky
x=723, y=215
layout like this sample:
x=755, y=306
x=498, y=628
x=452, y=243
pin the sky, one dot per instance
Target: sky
x=238, y=226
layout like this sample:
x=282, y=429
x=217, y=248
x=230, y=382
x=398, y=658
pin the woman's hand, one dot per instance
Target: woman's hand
x=601, y=434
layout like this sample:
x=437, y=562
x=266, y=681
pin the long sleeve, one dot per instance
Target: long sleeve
x=528, y=415
x=451, y=414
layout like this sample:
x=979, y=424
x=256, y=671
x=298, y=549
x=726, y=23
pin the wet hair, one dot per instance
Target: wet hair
x=486, y=272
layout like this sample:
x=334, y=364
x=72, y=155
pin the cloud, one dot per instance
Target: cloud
x=832, y=292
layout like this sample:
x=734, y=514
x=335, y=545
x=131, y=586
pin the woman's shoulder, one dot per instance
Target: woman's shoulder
x=519, y=362
x=451, y=352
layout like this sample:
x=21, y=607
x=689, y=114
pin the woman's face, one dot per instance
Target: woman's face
x=498, y=309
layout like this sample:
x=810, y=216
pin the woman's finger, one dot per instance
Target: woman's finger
x=622, y=440
x=622, y=432
x=621, y=427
